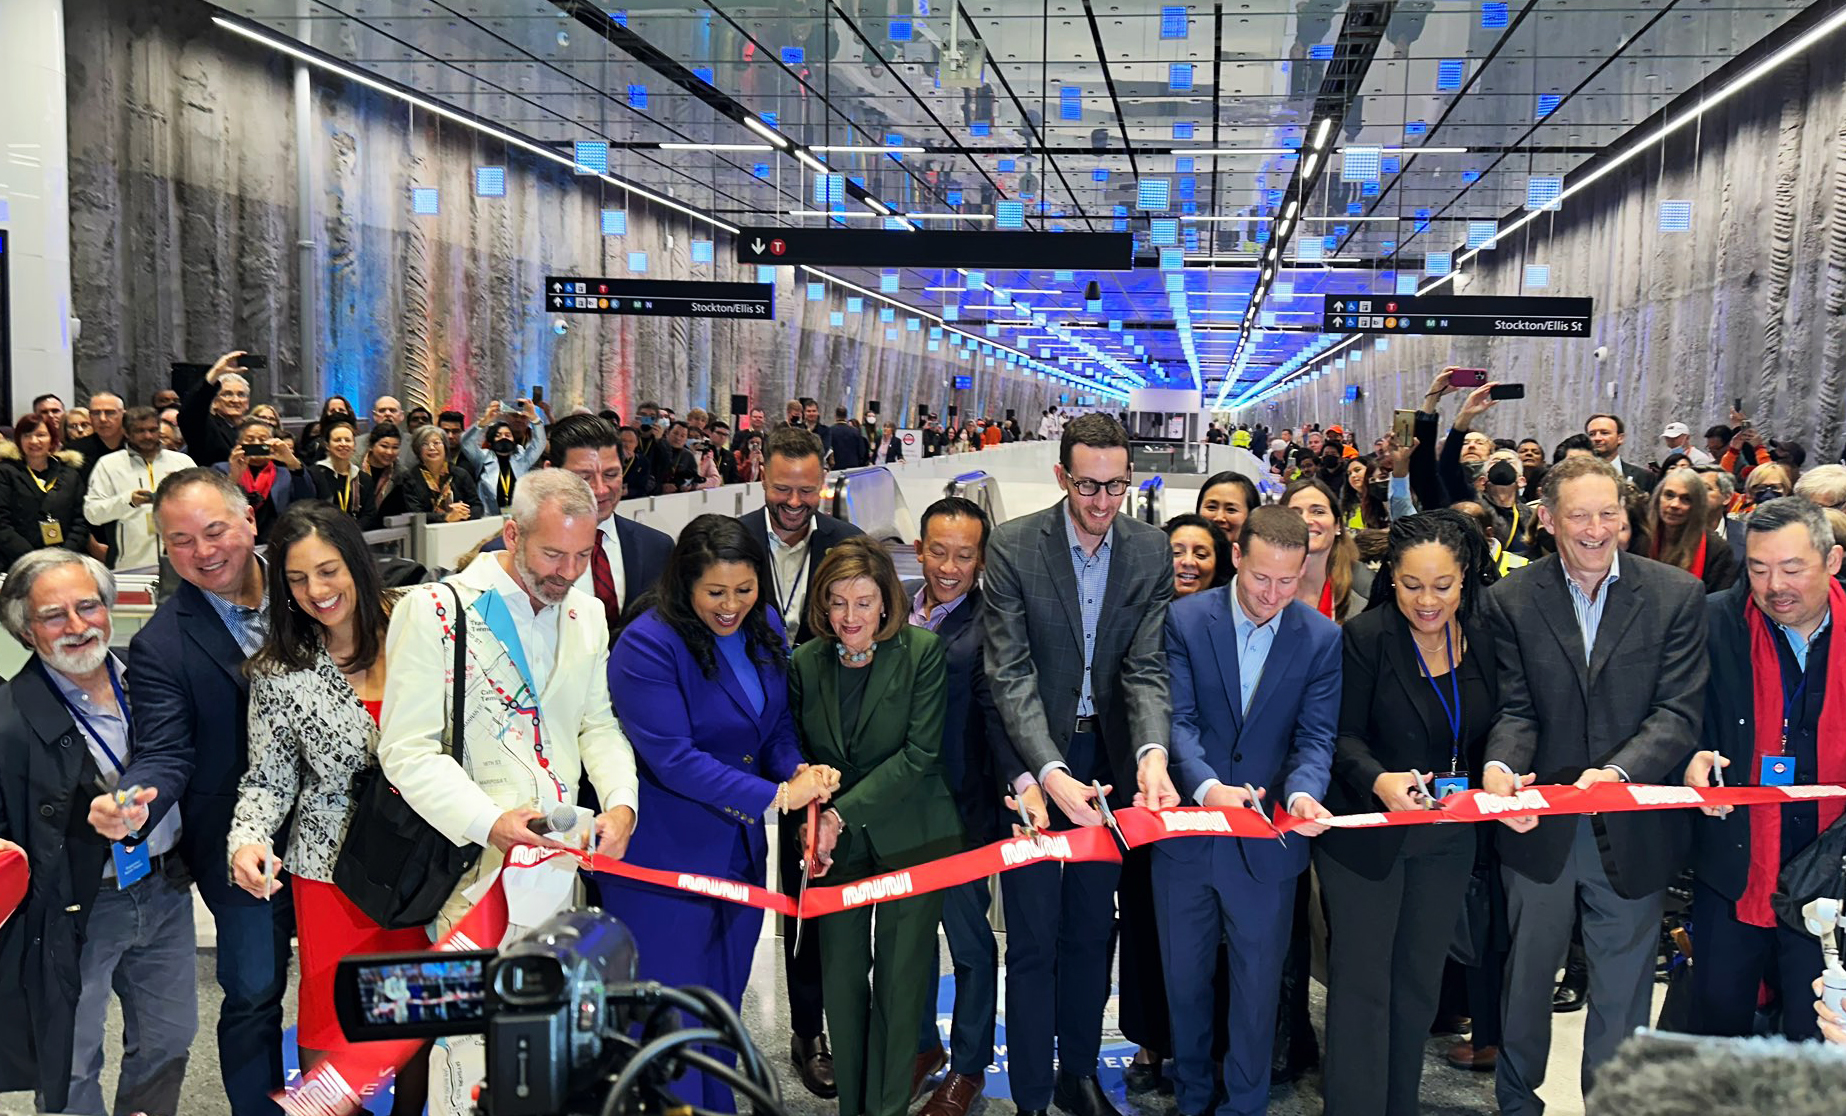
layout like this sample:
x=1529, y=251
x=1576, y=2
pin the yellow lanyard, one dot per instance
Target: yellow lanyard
x=42, y=486
x=506, y=488
x=345, y=494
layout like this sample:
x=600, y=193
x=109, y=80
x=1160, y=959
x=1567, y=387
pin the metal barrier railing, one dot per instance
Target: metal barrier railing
x=870, y=500
x=982, y=489
x=1150, y=501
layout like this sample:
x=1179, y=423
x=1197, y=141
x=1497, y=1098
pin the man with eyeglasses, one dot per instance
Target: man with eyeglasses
x=101, y=916
x=1077, y=599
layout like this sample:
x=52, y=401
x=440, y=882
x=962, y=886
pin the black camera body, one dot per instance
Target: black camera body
x=544, y=1003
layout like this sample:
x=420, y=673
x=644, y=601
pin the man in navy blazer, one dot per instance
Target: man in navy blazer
x=185, y=669
x=1256, y=700
x=975, y=749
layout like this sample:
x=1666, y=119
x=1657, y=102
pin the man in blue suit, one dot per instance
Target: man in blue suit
x=1256, y=700
x=185, y=669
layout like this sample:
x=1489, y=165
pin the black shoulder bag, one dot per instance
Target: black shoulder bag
x=394, y=865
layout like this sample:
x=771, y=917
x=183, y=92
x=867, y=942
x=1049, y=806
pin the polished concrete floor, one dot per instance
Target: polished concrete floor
x=1446, y=1092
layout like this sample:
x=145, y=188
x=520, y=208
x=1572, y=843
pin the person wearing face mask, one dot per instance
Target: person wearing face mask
x=1201, y=554
x=797, y=535
x=97, y=919
x=1769, y=482
x=869, y=696
x=1499, y=488
x=702, y=671
x=1334, y=583
x=41, y=493
x=1678, y=532
x=1418, y=692
x=316, y=691
x=1777, y=693
x=497, y=459
x=1602, y=660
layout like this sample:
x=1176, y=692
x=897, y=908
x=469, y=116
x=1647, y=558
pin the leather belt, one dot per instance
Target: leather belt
x=1085, y=726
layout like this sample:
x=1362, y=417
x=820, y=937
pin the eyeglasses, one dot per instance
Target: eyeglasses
x=1088, y=487
x=90, y=610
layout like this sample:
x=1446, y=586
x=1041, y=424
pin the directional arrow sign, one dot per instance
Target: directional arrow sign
x=757, y=246
x=1470, y=315
x=661, y=298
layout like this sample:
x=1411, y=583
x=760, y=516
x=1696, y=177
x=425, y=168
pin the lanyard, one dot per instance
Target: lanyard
x=506, y=484
x=1792, y=701
x=121, y=702
x=42, y=486
x=1512, y=533
x=1450, y=712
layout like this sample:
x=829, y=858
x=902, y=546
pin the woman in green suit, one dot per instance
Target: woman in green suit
x=868, y=698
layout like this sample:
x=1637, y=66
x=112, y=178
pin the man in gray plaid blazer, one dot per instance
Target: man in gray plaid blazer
x=1076, y=604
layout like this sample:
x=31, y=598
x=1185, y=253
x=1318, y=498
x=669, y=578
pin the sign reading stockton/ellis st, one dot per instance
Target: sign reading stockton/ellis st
x=659, y=298
x=1090, y=251
x=1474, y=315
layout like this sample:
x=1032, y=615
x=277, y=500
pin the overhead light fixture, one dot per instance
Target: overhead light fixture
x=1320, y=137
x=766, y=131
x=1307, y=168
x=878, y=207
x=1421, y=150
x=867, y=149
x=1225, y=151
x=1290, y=211
x=810, y=161
x=715, y=147
x=283, y=46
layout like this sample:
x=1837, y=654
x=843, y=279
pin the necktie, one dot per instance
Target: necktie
x=602, y=578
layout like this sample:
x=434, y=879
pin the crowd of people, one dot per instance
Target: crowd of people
x=1384, y=630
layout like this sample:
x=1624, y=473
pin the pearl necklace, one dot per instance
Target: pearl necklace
x=856, y=657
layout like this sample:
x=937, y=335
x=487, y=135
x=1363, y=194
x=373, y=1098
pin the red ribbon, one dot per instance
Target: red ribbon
x=329, y=1088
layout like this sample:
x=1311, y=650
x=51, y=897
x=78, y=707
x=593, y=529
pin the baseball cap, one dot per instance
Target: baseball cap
x=1675, y=430
x=1335, y=430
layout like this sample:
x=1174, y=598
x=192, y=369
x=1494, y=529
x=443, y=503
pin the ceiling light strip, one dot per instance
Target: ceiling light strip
x=435, y=108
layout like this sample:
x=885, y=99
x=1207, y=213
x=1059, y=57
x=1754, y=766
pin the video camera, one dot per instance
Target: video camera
x=569, y=1029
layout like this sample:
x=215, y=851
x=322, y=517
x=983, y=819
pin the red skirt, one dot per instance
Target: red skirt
x=329, y=927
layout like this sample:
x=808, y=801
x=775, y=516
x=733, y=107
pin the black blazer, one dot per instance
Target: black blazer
x=47, y=779
x=419, y=498
x=327, y=486
x=23, y=507
x=825, y=532
x=975, y=748
x=1637, y=705
x=1383, y=727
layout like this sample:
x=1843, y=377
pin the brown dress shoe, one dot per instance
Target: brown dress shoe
x=953, y=1096
x=1467, y=1056
x=928, y=1063
x=813, y=1060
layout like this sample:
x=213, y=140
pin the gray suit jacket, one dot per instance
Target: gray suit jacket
x=1637, y=705
x=1034, y=640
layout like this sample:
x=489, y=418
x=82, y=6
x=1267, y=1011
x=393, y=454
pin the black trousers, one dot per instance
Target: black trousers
x=1387, y=942
x=1735, y=958
x=803, y=965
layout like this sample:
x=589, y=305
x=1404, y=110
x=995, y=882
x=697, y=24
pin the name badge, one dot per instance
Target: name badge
x=1778, y=771
x=1446, y=785
x=52, y=532
x=132, y=865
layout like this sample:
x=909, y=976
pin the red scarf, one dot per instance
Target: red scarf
x=258, y=482
x=1753, y=906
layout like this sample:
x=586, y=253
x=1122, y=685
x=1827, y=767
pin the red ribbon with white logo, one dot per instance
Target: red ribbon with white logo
x=338, y=1084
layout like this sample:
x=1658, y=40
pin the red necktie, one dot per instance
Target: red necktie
x=602, y=578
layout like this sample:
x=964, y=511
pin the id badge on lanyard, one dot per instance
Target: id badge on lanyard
x=133, y=863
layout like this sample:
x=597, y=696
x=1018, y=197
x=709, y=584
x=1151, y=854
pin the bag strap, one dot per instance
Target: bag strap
x=460, y=678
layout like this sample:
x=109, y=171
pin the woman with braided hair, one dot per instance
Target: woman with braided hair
x=1418, y=697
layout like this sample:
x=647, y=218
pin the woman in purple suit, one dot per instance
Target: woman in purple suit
x=699, y=677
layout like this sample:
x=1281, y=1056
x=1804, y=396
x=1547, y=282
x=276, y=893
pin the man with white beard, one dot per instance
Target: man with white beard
x=100, y=915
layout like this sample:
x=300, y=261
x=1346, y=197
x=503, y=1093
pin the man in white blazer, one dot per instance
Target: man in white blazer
x=536, y=717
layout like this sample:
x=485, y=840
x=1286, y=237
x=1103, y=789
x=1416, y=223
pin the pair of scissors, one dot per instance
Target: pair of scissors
x=1025, y=819
x=1255, y=804
x=1108, y=815
x=1428, y=793
x=810, y=855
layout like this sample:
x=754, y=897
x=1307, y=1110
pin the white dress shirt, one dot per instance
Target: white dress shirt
x=789, y=563
x=109, y=499
x=537, y=628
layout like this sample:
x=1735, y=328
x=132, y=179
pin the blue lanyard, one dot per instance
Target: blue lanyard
x=1792, y=702
x=1451, y=711
x=121, y=702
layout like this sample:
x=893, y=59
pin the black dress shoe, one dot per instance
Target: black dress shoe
x=1568, y=998
x=1082, y=1096
x=813, y=1060
x=1142, y=1077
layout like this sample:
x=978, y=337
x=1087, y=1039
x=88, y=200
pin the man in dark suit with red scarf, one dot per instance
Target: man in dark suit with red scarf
x=1775, y=716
